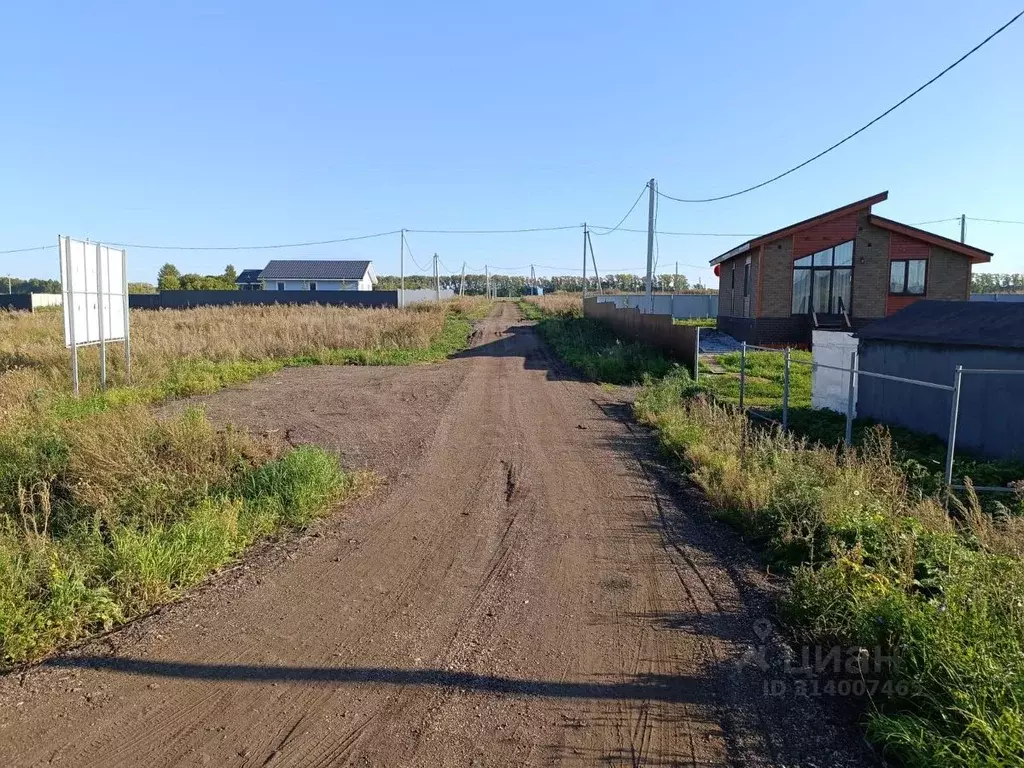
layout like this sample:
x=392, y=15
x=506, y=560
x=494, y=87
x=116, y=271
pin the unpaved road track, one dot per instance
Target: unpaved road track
x=525, y=590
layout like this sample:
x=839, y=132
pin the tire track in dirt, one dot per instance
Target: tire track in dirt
x=524, y=590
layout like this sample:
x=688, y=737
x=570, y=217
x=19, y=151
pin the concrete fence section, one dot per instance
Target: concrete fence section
x=680, y=305
x=679, y=341
x=420, y=295
x=830, y=387
x=189, y=299
x=1004, y=297
x=32, y=301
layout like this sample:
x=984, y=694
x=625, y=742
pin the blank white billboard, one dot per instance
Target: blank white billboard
x=94, y=292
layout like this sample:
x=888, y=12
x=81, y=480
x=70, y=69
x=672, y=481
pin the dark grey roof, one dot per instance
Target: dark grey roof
x=302, y=269
x=954, y=323
x=248, y=276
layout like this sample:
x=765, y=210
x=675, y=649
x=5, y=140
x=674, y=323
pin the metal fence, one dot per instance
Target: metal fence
x=855, y=373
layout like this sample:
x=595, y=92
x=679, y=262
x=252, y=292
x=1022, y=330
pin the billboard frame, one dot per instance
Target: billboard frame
x=103, y=278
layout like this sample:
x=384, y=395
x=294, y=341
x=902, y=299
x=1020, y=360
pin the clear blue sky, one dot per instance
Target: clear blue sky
x=215, y=123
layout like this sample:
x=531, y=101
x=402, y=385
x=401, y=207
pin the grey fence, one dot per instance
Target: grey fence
x=855, y=373
x=16, y=301
x=679, y=305
x=189, y=299
x=1004, y=297
x=681, y=342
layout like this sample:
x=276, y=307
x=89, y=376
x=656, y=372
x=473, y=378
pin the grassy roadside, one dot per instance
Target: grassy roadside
x=874, y=566
x=589, y=347
x=934, y=597
x=106, y=511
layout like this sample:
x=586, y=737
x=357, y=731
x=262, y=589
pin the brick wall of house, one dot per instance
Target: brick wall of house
x=724, y=294
x=949, y=275
x=730, y=301
x=777, y=283
x=870, y=269
x=752, y=287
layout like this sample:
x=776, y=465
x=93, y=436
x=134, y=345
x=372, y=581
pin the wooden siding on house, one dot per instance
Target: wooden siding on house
x=825, y=235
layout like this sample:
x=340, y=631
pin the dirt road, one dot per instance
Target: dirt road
x=526, y=589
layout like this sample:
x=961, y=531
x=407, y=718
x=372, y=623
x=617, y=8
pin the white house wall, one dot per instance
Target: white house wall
x=321, y=285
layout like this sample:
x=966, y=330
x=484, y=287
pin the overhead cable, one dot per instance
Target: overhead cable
x=860, y=130
x=631, y=209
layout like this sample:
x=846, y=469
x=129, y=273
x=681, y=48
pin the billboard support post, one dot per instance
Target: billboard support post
x=64, y=248
x=127, y=332
x=100, y=309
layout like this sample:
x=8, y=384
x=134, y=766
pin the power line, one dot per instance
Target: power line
x=491, y=231
x=26, y=250
x=251, y=247
x=935, y=221
x=408, y=249
x=994, y=221
x=680, y=234
x=860, y=130
x=631, y=209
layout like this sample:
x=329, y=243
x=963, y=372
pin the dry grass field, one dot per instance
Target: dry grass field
x=555, y=304
x=106, y=510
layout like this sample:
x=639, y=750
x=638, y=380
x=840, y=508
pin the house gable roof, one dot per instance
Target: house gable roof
x=976, y=255
x=248, y=276
x=308, y=269
x=952, y=323
x=867, y=202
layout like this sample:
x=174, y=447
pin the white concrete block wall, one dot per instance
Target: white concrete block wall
x=679, y=305
x=829, y=388
x=47, y=300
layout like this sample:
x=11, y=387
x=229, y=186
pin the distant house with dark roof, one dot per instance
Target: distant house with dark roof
x=927, y=341
x=840, y=270
x=318, y=275
x=249, y=280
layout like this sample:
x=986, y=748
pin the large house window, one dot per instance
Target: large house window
x=823, y=281
x=280, y=286
x=312, y=285
x=746, y=280
x=907, y=277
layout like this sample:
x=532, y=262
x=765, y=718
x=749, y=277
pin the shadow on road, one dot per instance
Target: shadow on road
x=669, y=688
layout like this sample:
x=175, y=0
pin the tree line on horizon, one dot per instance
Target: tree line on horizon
x=169, y=278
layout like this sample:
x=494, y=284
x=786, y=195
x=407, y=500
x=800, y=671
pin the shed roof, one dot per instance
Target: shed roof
x=306, y=269
x=976, y=255
x=248, y=276
x=953, y=323
x=867, y=202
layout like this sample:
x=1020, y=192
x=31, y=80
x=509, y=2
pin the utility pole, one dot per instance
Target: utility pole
x=650, y=244
x=401, y=268
x=437, y=281
x=963, y=227
x=462, y=280
x=8, y=285
x=487, y=279
x=593, y=261
x=675, y=280
x=533, y=280
x=584, y=260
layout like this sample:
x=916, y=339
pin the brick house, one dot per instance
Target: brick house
x=840, y=269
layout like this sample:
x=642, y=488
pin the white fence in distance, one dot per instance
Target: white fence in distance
x=678, y=305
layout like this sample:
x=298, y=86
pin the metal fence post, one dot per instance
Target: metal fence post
x=954, y=415
x=696, y=358
x=743, y=370
x=785, y=392
x=851, y=399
